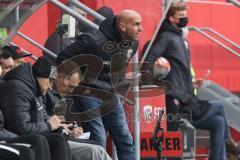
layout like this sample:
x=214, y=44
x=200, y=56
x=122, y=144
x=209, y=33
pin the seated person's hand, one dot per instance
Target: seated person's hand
x=198, y=83
x=62, y=118
x=67, y=126
x=76, y=132
x=55, y=122
x=73, y=130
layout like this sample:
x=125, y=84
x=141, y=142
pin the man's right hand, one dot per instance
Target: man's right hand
x=198, y=83
x=55, y=122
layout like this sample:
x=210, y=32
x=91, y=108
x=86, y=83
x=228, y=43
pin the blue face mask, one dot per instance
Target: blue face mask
x=182, y=22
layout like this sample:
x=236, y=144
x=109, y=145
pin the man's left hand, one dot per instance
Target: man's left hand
x=76, y=132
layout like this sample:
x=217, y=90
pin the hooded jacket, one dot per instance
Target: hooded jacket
x=4, y=134
x=169, y=44
x=107, y=45
x=21, y=102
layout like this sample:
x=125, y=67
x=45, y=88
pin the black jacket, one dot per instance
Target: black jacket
x=21, y=102
x=5, y=134
x=169, y=44
x=107, y=45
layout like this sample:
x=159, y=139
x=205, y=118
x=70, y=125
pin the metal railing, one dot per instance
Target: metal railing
x=22, y=20
x=87, y=9
x=201, y=31
x=9, y=9
x=75, y=14
x=220, y=36
x=35, y=7
x=36, y=44
x=235, y=2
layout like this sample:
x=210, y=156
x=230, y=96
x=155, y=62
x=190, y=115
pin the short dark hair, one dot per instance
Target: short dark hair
x=68, y=68
x=5, y=54
x=177, y=6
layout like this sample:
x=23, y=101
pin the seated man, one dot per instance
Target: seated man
x=205, y=115
x=24, y=113
x=62, y=84
x=37, y=143
x=27, y=84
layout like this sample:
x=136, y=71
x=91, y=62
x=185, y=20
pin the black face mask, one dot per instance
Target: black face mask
x=182, y=22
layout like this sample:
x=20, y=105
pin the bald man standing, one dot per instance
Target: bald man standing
x=114, y=45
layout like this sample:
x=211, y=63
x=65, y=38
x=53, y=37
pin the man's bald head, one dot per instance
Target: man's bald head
x=129, y=24
x=126, y=15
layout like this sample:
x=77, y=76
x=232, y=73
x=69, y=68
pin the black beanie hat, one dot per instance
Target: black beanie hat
x=41, y=68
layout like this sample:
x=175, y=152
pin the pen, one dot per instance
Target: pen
x=75, y=125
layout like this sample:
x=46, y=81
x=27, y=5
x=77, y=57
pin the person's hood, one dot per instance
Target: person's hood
x=167, y=26
x=24, y=73
x=108, y=28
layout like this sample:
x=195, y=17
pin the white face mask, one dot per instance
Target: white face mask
x=185, y=32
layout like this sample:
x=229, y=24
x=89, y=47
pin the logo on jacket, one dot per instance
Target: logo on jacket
x=39, y=105
x=129, y=54
x=148, y=114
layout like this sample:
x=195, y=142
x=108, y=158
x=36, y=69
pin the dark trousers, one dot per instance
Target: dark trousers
x=58, y=145
x=39, y=145
x=49, y=146
x=172, y=109
x=215, y=121
x=16, y=152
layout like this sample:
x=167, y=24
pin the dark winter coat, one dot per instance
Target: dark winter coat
x=169, y=44
x=107, y=45
x=21, y=102
x=5, y=134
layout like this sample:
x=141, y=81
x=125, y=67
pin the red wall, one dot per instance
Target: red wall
x=150, y=11
x=35, y=28
x=208, y=55
x=222, y=17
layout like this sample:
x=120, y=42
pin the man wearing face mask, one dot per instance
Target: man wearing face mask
x=170, y=44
